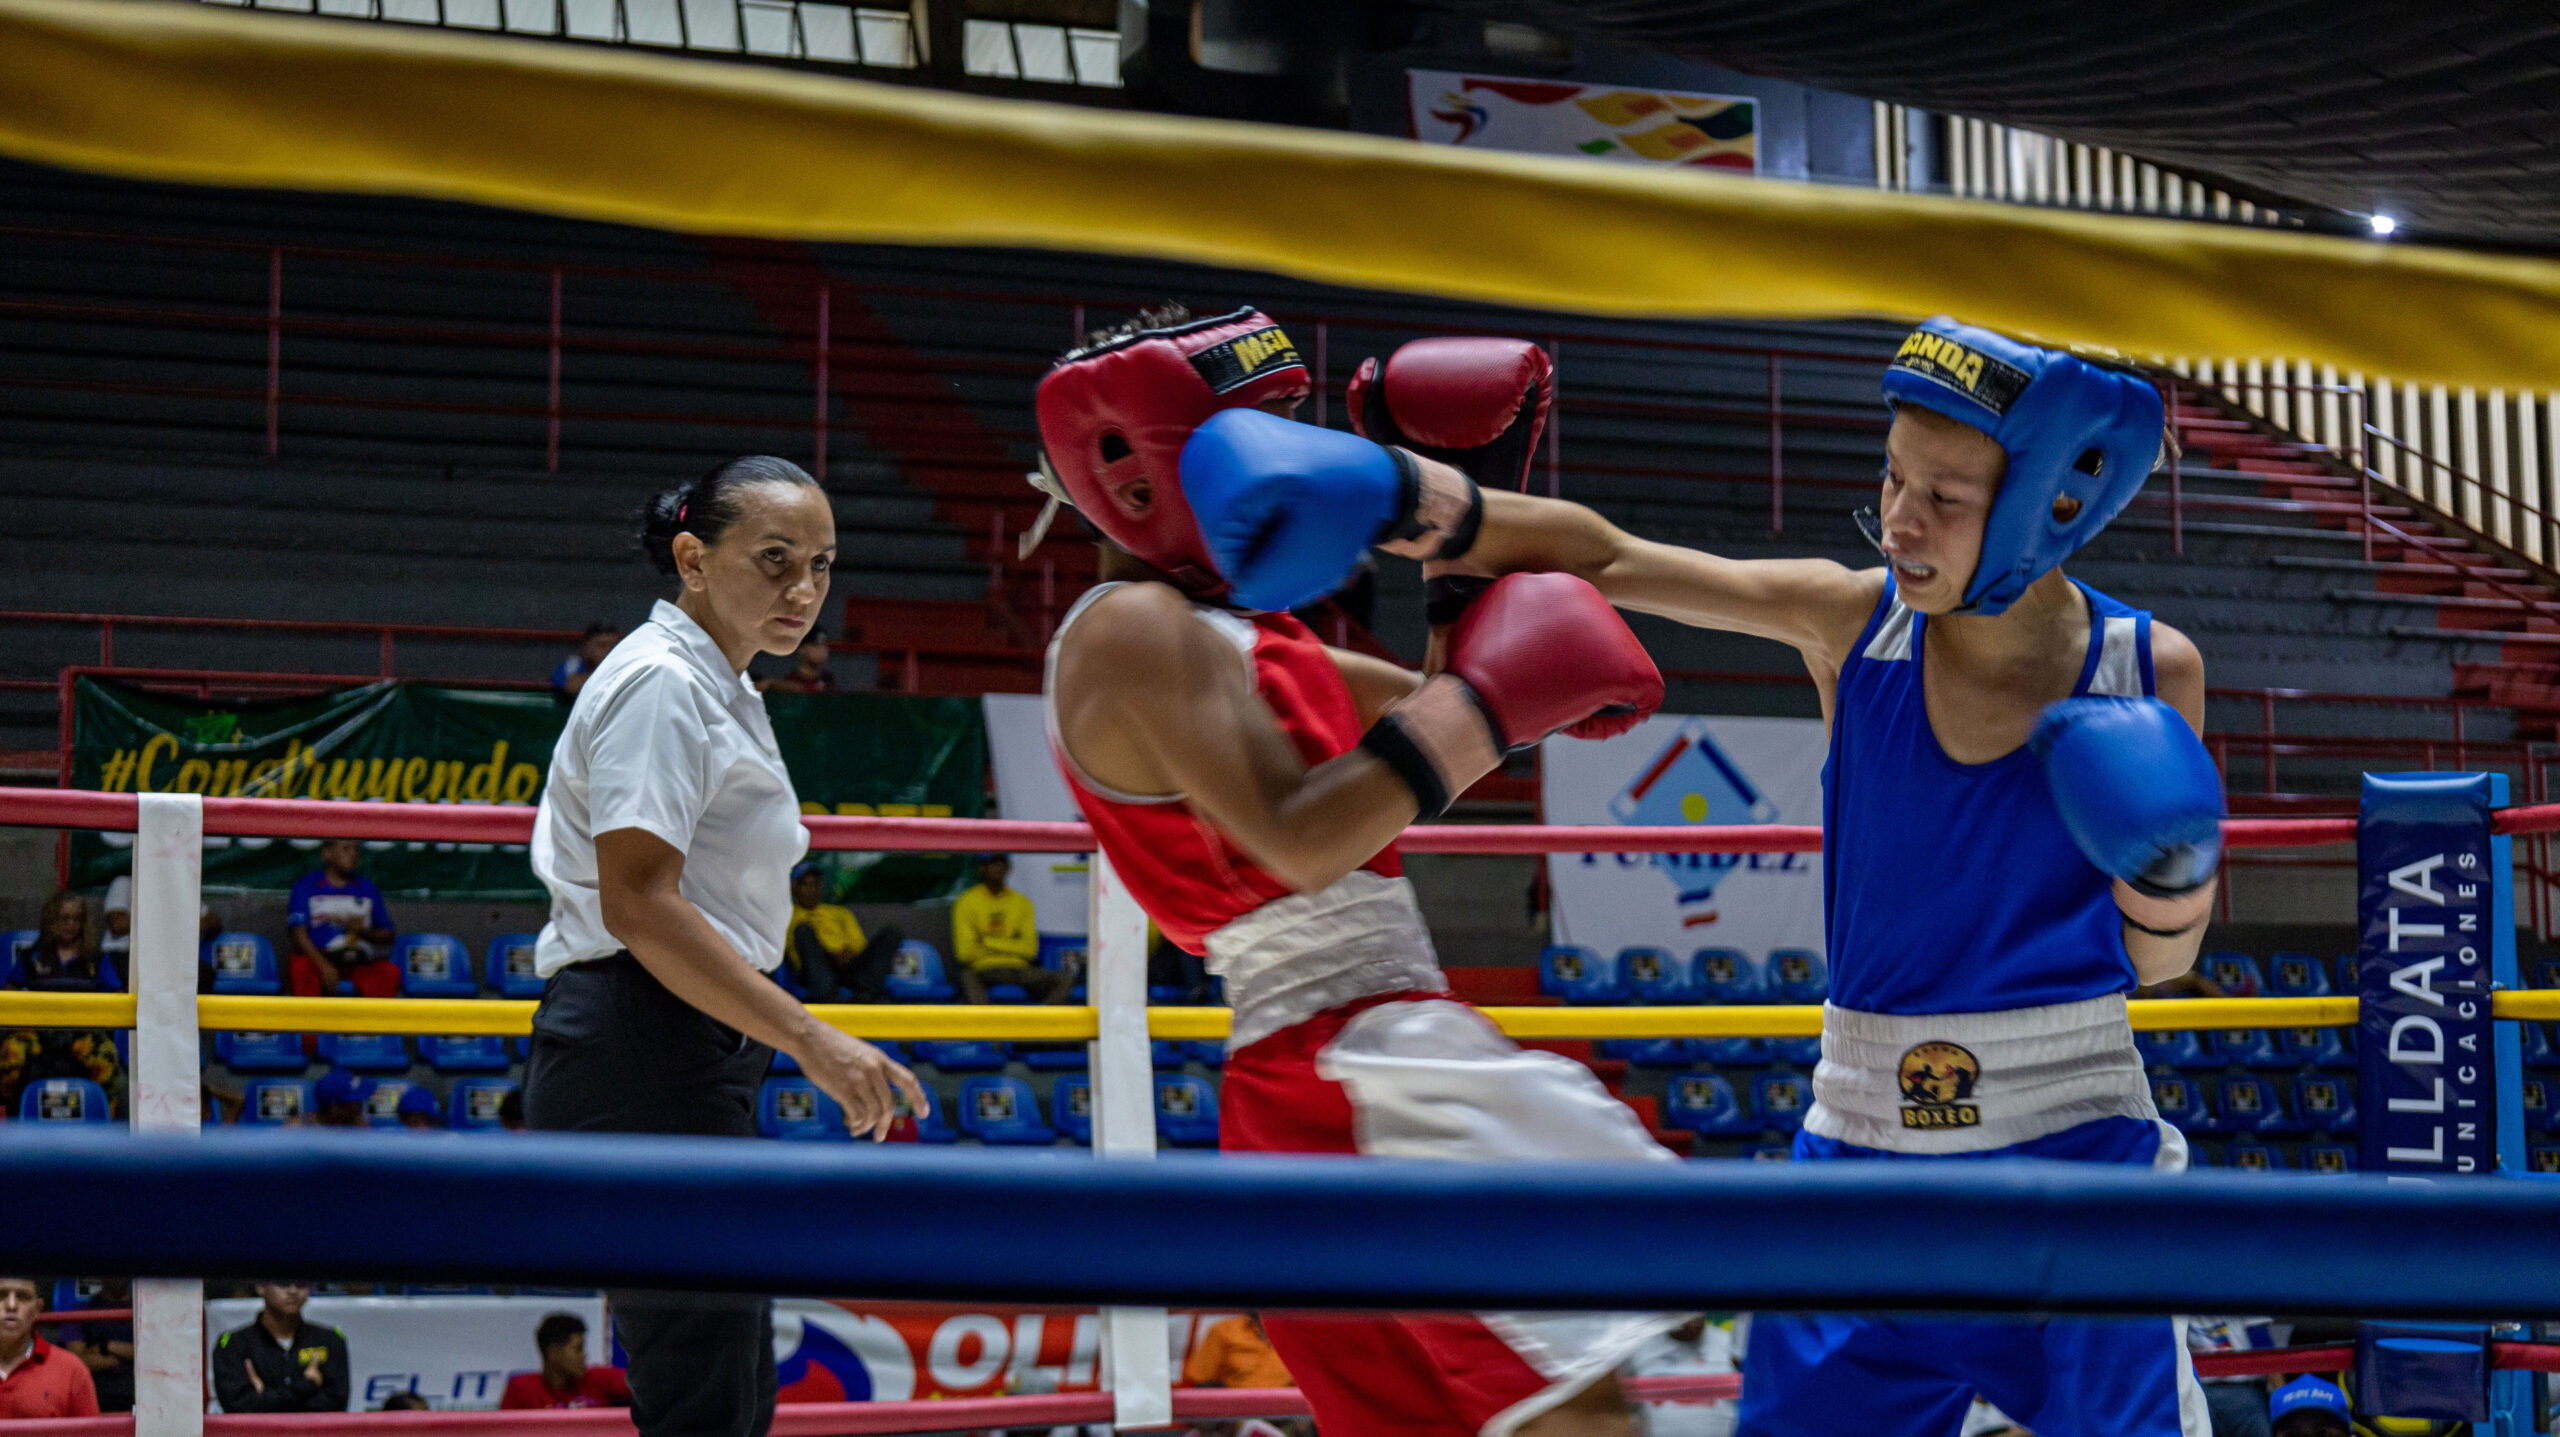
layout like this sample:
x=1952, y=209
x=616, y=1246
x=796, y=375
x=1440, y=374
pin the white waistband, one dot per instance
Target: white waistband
x=1294, y=957
x=1967, y=1082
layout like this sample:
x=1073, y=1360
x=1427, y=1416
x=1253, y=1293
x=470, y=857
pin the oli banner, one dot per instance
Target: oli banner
x=2427, y=911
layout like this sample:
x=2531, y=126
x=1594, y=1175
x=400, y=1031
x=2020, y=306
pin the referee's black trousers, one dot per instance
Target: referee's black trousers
x=615, y=1052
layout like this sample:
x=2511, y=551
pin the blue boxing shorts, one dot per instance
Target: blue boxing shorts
x=1841, y=1375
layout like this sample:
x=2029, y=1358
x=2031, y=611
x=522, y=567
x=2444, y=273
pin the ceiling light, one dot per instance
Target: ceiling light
x=2383, y=224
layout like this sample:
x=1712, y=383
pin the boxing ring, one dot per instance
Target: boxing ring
x=1316, y=1233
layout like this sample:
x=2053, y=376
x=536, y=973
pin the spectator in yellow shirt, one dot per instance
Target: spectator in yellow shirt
x=836, y=964
x=1235, y=1353
x=996, y=937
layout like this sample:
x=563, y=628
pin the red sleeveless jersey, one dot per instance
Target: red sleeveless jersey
x=1191, y=878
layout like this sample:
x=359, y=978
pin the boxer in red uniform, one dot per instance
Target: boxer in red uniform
x=1246, y=782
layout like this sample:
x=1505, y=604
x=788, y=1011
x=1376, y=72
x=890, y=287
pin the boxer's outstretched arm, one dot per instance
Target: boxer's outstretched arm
x=1153, y=701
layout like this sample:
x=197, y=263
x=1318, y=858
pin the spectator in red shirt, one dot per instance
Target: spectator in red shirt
x=37, y=1379
x=565, y=1379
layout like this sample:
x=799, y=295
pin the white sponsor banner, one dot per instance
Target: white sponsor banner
x=1678, y=769
x=1608, y=122
x=1029, y=786
x=456, y=1352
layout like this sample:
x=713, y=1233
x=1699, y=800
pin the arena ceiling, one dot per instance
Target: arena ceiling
x=2443, y=115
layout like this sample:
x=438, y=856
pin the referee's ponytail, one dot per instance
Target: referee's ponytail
x=706, y=507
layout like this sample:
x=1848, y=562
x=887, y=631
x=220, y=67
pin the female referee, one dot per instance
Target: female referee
x=667, y=835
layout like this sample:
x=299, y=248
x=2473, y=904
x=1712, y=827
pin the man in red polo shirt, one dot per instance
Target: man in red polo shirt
x=565, y=1379
x=37, y=1379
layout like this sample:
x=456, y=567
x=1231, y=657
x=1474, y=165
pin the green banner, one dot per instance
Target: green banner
x=416, y=743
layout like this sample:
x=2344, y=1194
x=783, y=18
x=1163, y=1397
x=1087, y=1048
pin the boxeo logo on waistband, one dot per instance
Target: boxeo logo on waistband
x=1936, y=1079
x=1245, y=358
x=1994, y=384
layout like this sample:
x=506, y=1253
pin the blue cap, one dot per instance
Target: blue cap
x=340, y=1086
x=804, y=869
x=420, y=1099
x=2307, y=1394
x=2080, y=438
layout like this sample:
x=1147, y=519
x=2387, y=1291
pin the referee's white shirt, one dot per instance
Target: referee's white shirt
x=665, y=737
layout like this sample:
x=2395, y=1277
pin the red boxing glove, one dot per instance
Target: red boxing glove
x=1538, y=653
x=1479, y=405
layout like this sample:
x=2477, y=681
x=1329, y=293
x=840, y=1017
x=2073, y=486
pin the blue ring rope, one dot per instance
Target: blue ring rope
x=842, y=1219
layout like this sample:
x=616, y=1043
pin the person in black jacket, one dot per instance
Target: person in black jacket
x=280, y=1363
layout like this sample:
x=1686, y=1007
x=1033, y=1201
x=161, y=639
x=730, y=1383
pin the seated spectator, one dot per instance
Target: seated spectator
x=338, y=1100
x=37, y=1379
x=835, y=963
x=565, y=1379
x=2309, y=1407
x=105, y=1348
x=593, y=645
x=419, y=1110
x=809, y=673
x=405, y=1402
x=65, y=956
x=277, y=1362
x=341, y=928
x=1235, y=1353
x=1696, y=1347
x=996, y=937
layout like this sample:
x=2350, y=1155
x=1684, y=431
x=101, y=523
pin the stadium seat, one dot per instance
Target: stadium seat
x=2542, y=1158
x=2248, y=1155
x=273, y=1102
x=1705, y=1103
x=1209, y=1053
x=1579, y=975
x=971, y=1055
x=2535, y=1106
x=2297, y=975
x=365, y=1052
x=2178, y=1048
x=2179, y=1100
x=1071, y=1109
x=2202, y=1154
x=1053, y=1057
x=2249, y=1104
x=260, y=1052
x=2324, y=1102
x=794, y=1110
x=63, y=1100
x=1649, y=1052
x=931, y=1124
x=2248, y=1047
x=1781, y=1099
x=1798, y=975
x=2539, y=1050
x=2347, y=980
x=245, y=964
x=1186, y=1112
x=1003, y=1112
x=2236, y=974
x=1770, y=1153
x=2313, y=1048
x=784, y=1065
x=1659, y=976
x=2546, y=974
x=509, y=971
x=1165, y=1055
x=2328, y=1159
x=483, y=1053
x=434, y=965
x=1729, y=976
x=1801, y=1052
x=13, y=943
x=474, y=1103
x=916, y=974
x=382, y=1101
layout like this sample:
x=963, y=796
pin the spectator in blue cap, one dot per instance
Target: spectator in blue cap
x=339, y=1098
x=418, y=1109
x=2309, y=1407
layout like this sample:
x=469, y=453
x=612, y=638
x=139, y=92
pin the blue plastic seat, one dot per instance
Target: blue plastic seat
x=1705, y=1103
x=1729, y=977
x=2235, y=973
x=970, y=1055
x=1003, y=1112
x=1781, y=1099
x=245, y=964
x=931, y=1125
x=1186, y=1112
x=366, y=1052
x=14, y=943
x=474, y=1103
x=2177, y=1047
x=2313, y=1048
x=2248, y=1155
x=2249, y=1047
x=434, y=965
x=784, y=1065
x=916, y=974
x=1165, y=1055
x=1801, y=1052
x=2325, y=1159
x=382, y=1101
x=1770, y=1153
x=2546, y=974
x=2249, y=1104
x=2539, y=1050
x=1579, y=975
x=2348, y=981
x=479, y=1053
x=2297, y=975
x=1071, y=1110
x=1649, y=1052
x=2536, y=1106
x=1208, y=1053
x=1798, y=975
x=1660, y=977
x=260, y=1052
x=1053, y=1057
x=794, y=1110
x=509, y=971
x=63, y=1100
x=2324, y=1102
x=2542, y=1158
x=273, y=1102
x=2180, y=1100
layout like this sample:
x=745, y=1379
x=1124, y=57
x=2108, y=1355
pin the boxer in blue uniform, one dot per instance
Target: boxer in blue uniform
x=2021, y=824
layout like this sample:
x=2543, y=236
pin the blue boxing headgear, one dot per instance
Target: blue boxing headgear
x=2308, y=1394
x=2080, y=439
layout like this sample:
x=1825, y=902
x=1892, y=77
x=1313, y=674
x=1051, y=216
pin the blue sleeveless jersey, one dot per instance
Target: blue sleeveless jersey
x=1955, y=888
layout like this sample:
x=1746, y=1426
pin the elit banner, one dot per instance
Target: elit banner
x=416, y=743
x=908, y=1351
x=1674, y=770
x=2426, y=910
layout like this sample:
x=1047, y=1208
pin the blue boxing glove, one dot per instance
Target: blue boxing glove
x=1287, y=509
x=2137, y=790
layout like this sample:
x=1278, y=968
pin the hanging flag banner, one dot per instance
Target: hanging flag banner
x=1644, y=127
x=455, y=1351
x=1675, y=770
x=1029, y=786
x=2426, y=911
x=889, y=754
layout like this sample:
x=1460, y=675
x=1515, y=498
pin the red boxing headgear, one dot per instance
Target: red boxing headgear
x=1115, y=415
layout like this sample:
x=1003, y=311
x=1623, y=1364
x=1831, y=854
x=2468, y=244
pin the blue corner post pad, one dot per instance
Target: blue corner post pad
x=2427, y=912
